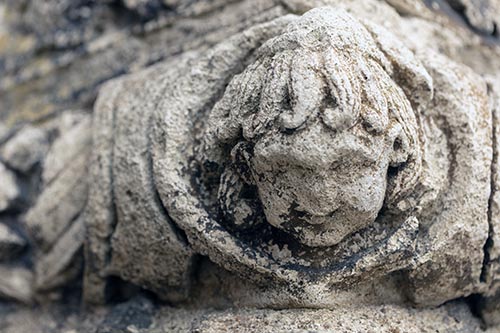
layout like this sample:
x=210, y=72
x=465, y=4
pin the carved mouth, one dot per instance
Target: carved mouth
x=302, y=217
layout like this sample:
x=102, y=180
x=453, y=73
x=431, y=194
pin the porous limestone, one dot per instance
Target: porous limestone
x=285, y=162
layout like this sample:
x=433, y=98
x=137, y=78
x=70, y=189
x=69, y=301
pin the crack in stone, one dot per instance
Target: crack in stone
x=488, y=245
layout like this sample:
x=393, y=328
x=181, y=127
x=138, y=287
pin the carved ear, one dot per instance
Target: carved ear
x=239, y=202
x=407, y=71
x=241, y=156
x=405, y=164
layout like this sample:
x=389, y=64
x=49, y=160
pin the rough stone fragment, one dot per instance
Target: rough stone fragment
x=483, y=15
x=65, y=186
x=61, y=264
x=11, y=244
x=9, y=189
x=60, y=203
x=452, y=254
x=74, y=139
x=16, y=283
x=26, y=149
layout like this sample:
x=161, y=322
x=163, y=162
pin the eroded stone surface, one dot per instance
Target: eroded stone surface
x=291, y=140
x=341, y=157
x=140, y=315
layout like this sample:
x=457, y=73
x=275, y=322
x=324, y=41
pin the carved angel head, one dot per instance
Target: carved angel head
x=320, y=125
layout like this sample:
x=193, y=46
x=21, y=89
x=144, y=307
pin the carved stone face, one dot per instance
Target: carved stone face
x=320, y=185
x=322, y=121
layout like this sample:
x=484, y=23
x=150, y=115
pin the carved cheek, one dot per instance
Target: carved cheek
x=365, y=193
x=275, y=201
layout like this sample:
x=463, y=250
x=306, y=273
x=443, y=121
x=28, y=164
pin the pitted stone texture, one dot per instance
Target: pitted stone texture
x=387, y=319
x=137, y=241
x=489, y=302
x=315, y=174
x=259, y=255
x=140, y=315
x=118, y=202
x=297, y=109
x=329, y=159
x=460, y=109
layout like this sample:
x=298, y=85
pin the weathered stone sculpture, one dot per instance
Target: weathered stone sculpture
x=323, y=146
x=311, y=159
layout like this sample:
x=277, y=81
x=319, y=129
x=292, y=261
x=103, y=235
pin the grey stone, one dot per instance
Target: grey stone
x=4, y=132
x=16, y=283
x=265, y=139
x=9, y=191
x=489, y=304
x=330, y=158
x=140, y=315
x=365, y=319
x=113, y=152
x=25, y=149
x=274, y=153
x=60, y=203
x=47, y=58
x=60, y=265
x=73, y=140
x=11, y=244
x=483, y=15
